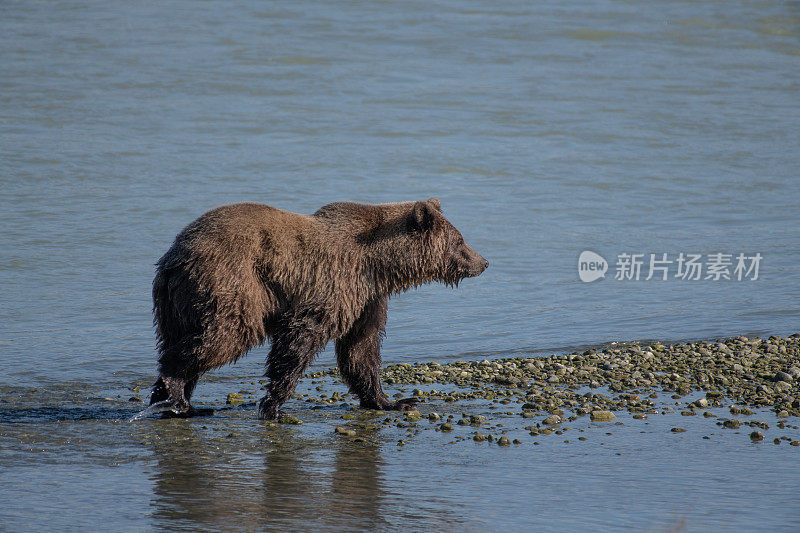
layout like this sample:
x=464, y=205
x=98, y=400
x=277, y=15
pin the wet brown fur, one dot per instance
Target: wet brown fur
x=244, y=273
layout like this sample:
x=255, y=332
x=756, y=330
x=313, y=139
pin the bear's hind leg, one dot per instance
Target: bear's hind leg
x=188, y=388
x=297, y=340
x=359, y=357
x=166, y=388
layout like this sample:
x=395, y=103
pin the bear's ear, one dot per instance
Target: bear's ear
x=422, y=217
x=435, y=203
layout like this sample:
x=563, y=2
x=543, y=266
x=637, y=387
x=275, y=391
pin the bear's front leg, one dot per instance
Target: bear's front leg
x=298, y=340
x=358, y=354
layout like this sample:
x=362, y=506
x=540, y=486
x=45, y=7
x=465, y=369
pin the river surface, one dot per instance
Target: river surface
x=546, y=130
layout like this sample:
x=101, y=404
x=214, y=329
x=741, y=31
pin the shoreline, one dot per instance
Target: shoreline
x=743, y=375
x=753, y=371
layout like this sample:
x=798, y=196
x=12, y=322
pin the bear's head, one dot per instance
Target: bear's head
x=449, y=258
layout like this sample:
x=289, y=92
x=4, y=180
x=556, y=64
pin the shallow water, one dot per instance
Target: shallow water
x=545, y=131
x=78, y=467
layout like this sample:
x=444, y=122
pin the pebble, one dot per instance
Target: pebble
x=702, y=403
x=602, y=416
x=552, y=420
x=756, y=436
x=477, y=420
x=234, y=398
x=412, y=416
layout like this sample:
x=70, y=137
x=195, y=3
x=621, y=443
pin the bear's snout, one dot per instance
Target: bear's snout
x=482, y=265
x=477, y=264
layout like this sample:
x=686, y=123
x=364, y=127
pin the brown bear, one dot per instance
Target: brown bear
x=244, y=273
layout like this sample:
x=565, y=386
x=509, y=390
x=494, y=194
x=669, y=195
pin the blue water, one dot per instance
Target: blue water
x=615, y=127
